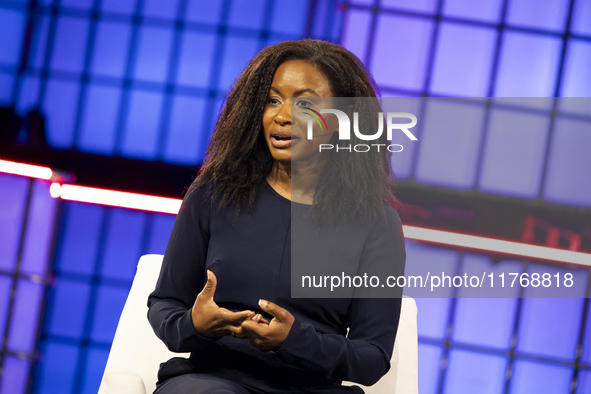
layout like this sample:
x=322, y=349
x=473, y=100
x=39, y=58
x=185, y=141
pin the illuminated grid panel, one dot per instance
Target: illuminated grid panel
x=123, y=86
x=96, y=258
x=514, y=345
x=27, y=215
x=141, y=78
x=489, y=48
x=457, y=48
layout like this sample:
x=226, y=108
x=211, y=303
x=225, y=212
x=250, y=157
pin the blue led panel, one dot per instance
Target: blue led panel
x=79, y=242
x=212, y=109
x=581, y=22
x=69, y=44
x=550, y=15
x=98, y=130
x=13, y=193
x=110, y=51
x=160, y=232
x=204, y=11
x=326, y=18
x=514, y=153
x=25, y=315
x=28, y=95
x=486, y=322
x=576, y=77
x=586, y=346
x=84, y=4
x=584, y=382
x=39, y=232
x=540, y=378
x=60, y=104
x=196, y=58
x=57, y=369
x=356, y=32
x=122, y=246
x=550, y=327
x=401, y=162
x=96, y=359
x=433, y=312
x=153, y=54
x=417, y=5
x=160, y=9
x=141, y=131
x=12, y=24
x=400, y=51
x=5, y=289
x=6, y=87
x=109, y=304
x=449, y=144
x=463, y=60
x=471, y=372
x=118, y=6
x=429, y=367
x=237, y=53
x=289, y=17
x=15, y=374
x=39, y=42
x=482, y=10
x=528, y=65
x=247, y=14
x=567, y=179
x=68, y=305
x=183, y=143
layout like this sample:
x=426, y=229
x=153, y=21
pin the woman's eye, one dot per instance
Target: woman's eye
x=273, y=101
x=305, y=103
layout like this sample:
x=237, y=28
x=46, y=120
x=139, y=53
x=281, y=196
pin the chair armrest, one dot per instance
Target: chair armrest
x=122, y=382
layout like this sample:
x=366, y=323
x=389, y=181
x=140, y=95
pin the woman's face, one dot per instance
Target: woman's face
x=297, y=83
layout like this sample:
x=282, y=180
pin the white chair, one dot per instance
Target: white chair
x=136, y=352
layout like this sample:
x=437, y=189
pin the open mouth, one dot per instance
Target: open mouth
x=282, y=138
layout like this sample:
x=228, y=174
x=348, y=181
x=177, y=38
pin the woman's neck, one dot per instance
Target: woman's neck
x=296, y=183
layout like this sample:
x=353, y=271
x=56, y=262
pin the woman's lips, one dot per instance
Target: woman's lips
x=282, y=141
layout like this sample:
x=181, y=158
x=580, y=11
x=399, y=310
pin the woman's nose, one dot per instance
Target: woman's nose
x=283, y=115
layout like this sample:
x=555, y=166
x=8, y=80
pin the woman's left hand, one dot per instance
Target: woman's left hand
x=264, y=335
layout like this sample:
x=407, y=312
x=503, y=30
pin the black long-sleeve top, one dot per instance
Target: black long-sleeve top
x=250, y=254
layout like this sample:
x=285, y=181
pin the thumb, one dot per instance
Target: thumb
x=209, y=288
x=274, y=310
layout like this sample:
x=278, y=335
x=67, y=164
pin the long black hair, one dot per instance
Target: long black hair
x=238, y=160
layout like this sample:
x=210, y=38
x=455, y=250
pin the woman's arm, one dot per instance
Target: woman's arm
x=182, y=275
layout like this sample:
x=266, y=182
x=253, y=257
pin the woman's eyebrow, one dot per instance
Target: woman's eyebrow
x=301, y=91
x=297, y=92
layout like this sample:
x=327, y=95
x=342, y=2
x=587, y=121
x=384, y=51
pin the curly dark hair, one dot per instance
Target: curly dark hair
x=353, y=184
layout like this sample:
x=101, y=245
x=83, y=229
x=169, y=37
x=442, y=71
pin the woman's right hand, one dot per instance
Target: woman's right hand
x=210, y=320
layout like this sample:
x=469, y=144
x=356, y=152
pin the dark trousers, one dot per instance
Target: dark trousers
x=197, y=383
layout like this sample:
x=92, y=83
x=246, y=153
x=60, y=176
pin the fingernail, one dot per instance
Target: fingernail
x=251, y=313
x=263, y=303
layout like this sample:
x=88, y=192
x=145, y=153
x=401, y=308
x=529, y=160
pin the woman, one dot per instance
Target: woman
x=224, y=292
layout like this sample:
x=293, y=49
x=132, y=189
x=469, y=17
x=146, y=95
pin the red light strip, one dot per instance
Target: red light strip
x=115, y=198
x=171, y=206
x=28, y=170
x=496, y=245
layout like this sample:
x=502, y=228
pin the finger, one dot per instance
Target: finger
x=210, y=285
x=257, y=330
x=236, y=332
x=275, y=310
x=235, y=317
